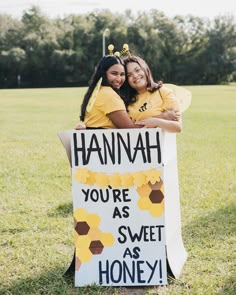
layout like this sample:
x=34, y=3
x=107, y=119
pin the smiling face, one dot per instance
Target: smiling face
x=136, y=77
x=116, y=75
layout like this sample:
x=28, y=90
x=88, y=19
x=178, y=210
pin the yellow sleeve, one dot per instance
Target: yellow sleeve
x=169, y=98
x=109, y=101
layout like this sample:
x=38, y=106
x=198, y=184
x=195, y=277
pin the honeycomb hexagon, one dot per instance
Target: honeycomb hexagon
x=82, y=241
x=156, y=196
x=82, y=227
x=144, y=203
x=96, y=247
x=95, y=233
x=80, y=214
x=144, y=190
x=107, y=239
x=84, y=254
x=152, y=197
x=156, y=210
x=89, y=239
x=93, y=220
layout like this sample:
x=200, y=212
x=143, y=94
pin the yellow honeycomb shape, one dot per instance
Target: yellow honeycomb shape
x=80, y=214
x=107, y=239
x=144, y=190
x=89, y=239
x=84, y=254
x=127, y=180
x=94, y=234
x=157, y=210
x=153, y=176
x=81, y=175
x=144, y=203
x=139, y=178
x=115, y=180
x=93, y=220
x=92, y=178
x=102, y=179
x=82, y=241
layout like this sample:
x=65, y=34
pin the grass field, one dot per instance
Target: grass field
x=36, y=224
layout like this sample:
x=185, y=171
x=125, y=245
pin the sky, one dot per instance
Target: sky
x=61, y=8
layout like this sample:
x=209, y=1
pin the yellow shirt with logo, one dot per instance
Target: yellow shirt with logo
x=152, y=104
x=107, y=101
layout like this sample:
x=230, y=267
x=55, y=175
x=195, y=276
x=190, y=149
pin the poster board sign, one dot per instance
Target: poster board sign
x=119, y=211
x=126, y=206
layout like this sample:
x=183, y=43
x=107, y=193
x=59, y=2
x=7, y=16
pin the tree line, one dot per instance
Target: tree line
x=38, y=51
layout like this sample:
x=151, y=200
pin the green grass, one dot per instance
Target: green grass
x=36, y=224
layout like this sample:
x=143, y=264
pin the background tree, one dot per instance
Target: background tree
x=64, y=51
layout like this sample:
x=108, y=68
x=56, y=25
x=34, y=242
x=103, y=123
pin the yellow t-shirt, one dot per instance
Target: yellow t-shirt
x=152, y=104
x=107, y=101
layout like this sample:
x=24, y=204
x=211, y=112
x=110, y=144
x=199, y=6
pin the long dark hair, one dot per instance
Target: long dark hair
x=131, y=93
x=100, y=71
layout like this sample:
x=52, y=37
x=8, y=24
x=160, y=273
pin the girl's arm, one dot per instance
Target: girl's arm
x=167, y=125
x=170, y=114
x=121, y=120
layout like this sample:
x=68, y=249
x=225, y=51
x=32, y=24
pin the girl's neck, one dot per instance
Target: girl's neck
x=141, y=91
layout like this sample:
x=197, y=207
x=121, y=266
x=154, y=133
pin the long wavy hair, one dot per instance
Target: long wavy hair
x=100, y=71
x=131, y=93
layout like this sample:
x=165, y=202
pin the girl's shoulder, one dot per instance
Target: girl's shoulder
x=107, y=90
x=165, y=90
x=107, y=93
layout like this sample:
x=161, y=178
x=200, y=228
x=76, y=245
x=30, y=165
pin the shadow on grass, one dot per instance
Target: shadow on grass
x=62, y=210
x=54, y=283
x=214, y=225
x=51, y=283
x=229, y=287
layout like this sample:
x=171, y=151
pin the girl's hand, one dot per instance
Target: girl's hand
x=166, y=125
x=171, y=115
x=148, y=123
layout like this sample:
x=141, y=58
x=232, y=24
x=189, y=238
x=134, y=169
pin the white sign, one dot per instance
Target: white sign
x=124, y=182
x=118, y=198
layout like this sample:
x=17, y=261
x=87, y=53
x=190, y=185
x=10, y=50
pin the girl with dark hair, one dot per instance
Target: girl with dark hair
x=103, y=106
x=148, y=101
